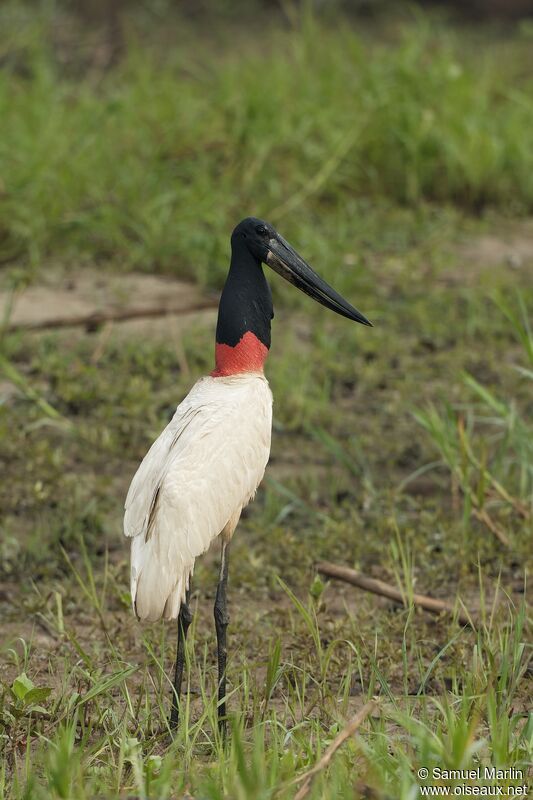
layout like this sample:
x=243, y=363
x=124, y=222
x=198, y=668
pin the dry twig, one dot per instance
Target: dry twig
x=93, y=321
x=386, y=590
x=349, y=730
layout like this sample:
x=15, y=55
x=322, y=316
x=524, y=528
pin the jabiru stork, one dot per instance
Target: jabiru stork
x=206, y=465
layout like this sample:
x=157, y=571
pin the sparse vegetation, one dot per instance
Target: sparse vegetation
x=389, y=157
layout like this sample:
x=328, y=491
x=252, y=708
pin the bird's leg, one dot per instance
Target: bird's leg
x=221, y=623
x=184, y=620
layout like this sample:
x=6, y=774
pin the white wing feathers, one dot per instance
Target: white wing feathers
x=192, y=484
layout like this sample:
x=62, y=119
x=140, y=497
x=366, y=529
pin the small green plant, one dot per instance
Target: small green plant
x=22, y=700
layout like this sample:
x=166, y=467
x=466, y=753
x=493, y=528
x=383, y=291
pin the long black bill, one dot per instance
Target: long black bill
x=287, y=263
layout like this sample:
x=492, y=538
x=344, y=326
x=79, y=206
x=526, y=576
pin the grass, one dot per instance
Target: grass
x=101, y=735
x=389, y=157
x=154, y=163
x=504, y=458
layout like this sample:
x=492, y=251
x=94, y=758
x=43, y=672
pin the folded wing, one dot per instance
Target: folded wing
x=193, y=482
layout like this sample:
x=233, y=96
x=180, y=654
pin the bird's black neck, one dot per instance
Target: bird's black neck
x=246, y=301
x=244, y=315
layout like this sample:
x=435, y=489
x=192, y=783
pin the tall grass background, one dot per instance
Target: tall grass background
x=150, y=163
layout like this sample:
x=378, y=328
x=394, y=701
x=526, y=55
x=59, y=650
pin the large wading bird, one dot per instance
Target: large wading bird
x=205, y=467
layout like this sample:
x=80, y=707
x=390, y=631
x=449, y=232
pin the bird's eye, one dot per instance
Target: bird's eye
x=261, y=230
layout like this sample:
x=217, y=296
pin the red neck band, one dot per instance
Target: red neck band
x=248, y=355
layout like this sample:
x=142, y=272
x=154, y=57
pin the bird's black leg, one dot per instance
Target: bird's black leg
x=184, y=620
x=221, y=623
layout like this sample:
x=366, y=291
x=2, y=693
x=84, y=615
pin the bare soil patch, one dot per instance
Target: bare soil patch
x=150, y=299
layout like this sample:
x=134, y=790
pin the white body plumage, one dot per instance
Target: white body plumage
x=193, y=484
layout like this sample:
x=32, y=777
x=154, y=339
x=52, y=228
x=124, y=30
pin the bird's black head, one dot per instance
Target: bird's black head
x=254, y=234
x=257, y=238
x=245, y=310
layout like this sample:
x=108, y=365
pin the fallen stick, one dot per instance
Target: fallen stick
x=98, y=318
x=349, y=730
x=386, y=590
